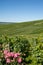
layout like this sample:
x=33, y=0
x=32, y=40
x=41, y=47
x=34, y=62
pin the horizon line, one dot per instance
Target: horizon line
x=19, y=21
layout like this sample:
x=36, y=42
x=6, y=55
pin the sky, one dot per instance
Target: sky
x=20, y=10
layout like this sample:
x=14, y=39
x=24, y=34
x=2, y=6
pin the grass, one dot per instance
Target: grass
x=25, y=28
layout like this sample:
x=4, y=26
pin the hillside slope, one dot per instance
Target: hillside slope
x=25, y=28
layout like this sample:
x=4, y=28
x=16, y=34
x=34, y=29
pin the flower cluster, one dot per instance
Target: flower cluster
x=11, y=57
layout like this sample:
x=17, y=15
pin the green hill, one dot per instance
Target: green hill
x=24, y=28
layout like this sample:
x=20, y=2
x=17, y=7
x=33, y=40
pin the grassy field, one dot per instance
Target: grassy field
x=25, y=28
x=28, y=42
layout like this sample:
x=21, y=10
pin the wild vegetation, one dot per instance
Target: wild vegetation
x=25, y=28
x=21, y=43
x=20, y=50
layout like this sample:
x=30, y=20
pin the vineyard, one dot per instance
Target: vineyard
x=21, y=50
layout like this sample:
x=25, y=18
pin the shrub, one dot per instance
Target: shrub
x=19, y=51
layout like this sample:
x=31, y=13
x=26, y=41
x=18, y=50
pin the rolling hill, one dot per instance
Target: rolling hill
x=24, y=28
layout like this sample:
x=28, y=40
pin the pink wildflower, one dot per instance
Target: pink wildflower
x=8, y=54
x=12, y=54
x=15, y=55
x=5, y=51
x=8, y=60
x=19, y=60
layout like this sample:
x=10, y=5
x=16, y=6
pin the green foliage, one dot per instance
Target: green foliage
x=31, y=49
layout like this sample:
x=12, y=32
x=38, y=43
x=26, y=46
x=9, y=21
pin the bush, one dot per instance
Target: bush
x=19, y=51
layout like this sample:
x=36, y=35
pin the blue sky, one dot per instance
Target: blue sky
x=20, y=10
